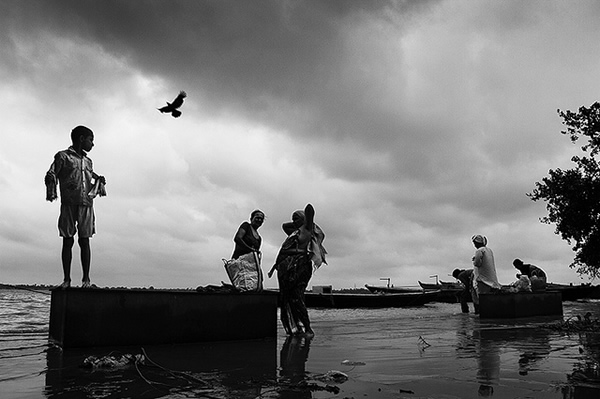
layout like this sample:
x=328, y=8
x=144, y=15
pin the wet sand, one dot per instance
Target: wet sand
x=425, y=352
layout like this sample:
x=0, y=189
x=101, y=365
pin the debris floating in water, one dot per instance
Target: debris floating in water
x=112, y=361
x=422, y=342
x=332, y=376
x=576, y=324
x=352, y=363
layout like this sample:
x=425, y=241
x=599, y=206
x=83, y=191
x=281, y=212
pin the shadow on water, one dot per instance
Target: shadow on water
x=216, y=370
x=293, y=357
x=246, y=369
x=534, y=342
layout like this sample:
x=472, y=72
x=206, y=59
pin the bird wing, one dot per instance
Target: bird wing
x=178, y=102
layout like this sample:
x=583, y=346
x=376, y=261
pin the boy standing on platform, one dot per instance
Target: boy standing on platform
x=72, y=170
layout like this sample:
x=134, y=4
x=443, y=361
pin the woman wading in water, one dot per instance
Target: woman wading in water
x=294, y=264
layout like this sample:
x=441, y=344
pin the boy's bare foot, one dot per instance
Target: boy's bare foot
x=87, y=284
x=65, y=284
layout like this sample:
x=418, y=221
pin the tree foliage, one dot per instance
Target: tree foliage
x=573, y=196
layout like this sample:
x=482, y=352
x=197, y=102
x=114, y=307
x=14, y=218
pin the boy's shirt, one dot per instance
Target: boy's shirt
x=76, y=177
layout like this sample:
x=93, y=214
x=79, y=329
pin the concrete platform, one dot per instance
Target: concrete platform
x=121, y=317
x=521, y=304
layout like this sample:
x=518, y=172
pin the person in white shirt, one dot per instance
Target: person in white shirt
x=485, y=279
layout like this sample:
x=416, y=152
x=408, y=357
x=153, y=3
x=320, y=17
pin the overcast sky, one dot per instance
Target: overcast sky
x=410, y=126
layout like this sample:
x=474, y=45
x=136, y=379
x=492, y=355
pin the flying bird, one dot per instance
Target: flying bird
x=172, y=108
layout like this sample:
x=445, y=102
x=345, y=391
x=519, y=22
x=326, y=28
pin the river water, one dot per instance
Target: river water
x=433, y=351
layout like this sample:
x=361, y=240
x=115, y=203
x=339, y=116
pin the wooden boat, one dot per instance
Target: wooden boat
x=443, y=286
x=574, y=292
x=505, y=305
x=344, y=300
x=448, y=292
x=378, y=289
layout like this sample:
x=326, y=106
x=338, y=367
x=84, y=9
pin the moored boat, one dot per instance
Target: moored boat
x=572, y=292
x=508, y=305
x=378, y=289
x=448, y=292
x=442, y=285
x=349, y=300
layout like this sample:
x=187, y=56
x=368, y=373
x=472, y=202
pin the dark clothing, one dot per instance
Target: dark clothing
x=75, y=176
x=532, y=271
x=249, y=239
x=466, y=277
x=293, y=274
x=73, y=172
x=536, y=275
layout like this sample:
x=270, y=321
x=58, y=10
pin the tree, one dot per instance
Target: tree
x=573, y=196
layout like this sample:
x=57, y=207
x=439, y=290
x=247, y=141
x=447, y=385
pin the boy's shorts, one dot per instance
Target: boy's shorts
x=76, y=218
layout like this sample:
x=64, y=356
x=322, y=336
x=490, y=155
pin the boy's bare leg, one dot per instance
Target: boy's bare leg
x=67, y=256
x=86, y=257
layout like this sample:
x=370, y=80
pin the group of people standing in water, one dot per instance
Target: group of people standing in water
x=300, y=252
x=482, y=279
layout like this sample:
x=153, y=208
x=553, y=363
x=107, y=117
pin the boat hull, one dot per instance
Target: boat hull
x=575, y=292
x=442, y=285
x=376, y=289
x=341, y=300
x=448, y=292
x=520, y=304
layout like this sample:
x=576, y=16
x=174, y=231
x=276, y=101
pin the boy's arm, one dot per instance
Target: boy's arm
x=51, y=179
x=98, y=177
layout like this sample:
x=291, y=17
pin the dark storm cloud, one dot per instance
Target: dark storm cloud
x=279, y=62
x=230, y=51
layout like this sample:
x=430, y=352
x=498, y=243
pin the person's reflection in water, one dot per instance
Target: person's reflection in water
x=472, y=342
x=465, y=344
x=488, y=362
x=293, y=357
x=534, y=346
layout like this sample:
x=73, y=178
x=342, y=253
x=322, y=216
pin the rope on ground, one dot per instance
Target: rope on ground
x=151, y=383
x=176, y=374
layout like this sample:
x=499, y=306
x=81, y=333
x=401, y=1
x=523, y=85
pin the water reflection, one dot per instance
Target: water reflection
x=219, y=370
x=293, y=357
x=486, y=341
x=488, y=362
x=584, y=381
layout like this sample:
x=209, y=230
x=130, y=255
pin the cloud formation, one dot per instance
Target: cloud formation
x=409, y=125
